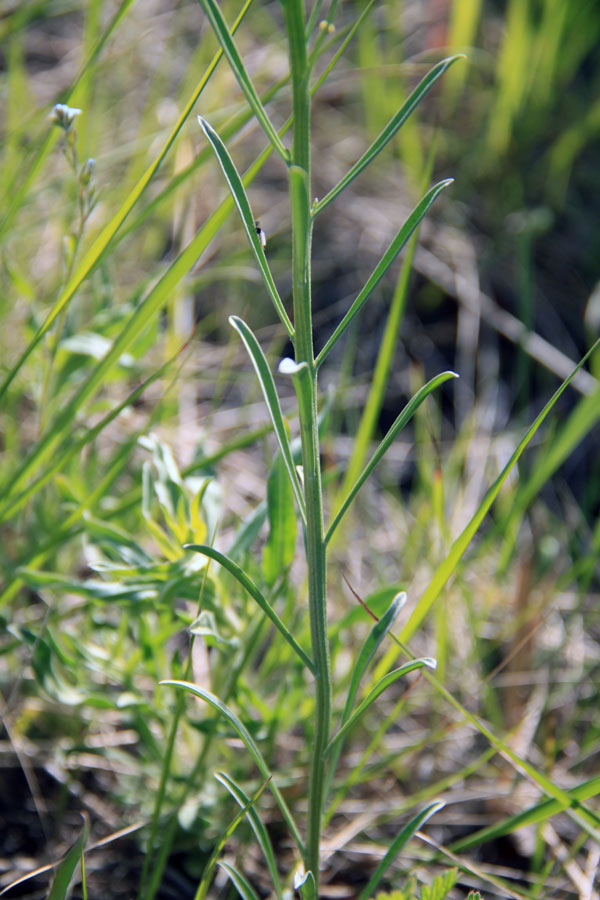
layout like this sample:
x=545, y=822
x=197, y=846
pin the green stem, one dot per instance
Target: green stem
x=307, y=399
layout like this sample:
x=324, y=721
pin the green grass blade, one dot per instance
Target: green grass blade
x=265, y=378
x=402, y=420
x=248, y=742
x=385, y=262
x=389, y=131
x=99, y=246
x=449, y=564
x=66, y=868
x=208, y=873
x=243, y=886
x=254, y=592
x=375, y=692
x=243, y=206
x=541, y=812
x=225, y=39
x=397, y=844
x=258, y=828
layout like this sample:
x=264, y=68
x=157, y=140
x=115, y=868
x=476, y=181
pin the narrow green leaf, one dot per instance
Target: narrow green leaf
x=383, y=265
x=267, y=384
x=212, y=863
x=397, y=844
x=540, y=812
x=244, y=888
x=373, y=694
x=98, y=247
x=369, y=648
x=280, y=547
x=389, y=131
x=242, y=203
x=254, y=592
x=249, y=744
x=402, y=420
x=67, y=866
x=225, y=39
x=257, y=826
x=449, y=564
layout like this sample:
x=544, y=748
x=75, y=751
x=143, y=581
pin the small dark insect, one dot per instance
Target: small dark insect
x=261, y=235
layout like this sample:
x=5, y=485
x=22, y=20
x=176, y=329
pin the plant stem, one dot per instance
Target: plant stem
x=314, y=540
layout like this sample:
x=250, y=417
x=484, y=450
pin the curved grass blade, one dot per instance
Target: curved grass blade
x=449, y=564
x=267, y=384
x=373, y=694
x=254, y=592
x=248, y=741
x=211, y=865
x=258, y=828
x=225, y=39
x=243, y=205
x=383, y=265
x=67, y=866
x=397, y=844
x=402, y=420
x=98, y=247
x=541, y=812
x=389, y=131
x=244, y=888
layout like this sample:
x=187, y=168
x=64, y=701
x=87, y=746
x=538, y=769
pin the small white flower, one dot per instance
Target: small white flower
x=63, y=115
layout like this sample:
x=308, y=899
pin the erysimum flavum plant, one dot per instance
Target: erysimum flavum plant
x=305, y=479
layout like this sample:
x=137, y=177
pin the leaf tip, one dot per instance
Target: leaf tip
x=430, y=662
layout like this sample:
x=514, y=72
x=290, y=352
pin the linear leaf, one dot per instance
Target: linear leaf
x=267, y=384
x=383, y=265
x=247, y=583
x=211, y=865
x=374, y=693
x=449, y=564
x=234, y=59
x=280, y=547
x=98, y=247
x=540, y=812
x=248, y=741
x=397, y=844
x=258, y=828
x=242, y=203
x=389, y=131
x=244, y=888
x=402, y=420
x=66, y=867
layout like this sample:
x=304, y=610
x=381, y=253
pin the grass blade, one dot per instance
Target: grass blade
x=254, y=592
x=208, y=873
x=404, y=417
x=244, y=888
x=248, y=741
x=243, y=206
x=267, y=384
x=385, y=262
x=389, y=131
x=225, y=39
x=67, y=866
x=449, y=564
x=374, y=693
x=397, y=844
x=258, y=828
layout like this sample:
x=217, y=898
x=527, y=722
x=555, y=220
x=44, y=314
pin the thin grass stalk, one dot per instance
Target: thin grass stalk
x=307, y=397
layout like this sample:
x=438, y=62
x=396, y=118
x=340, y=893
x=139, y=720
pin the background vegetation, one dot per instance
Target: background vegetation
x=131, y=423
